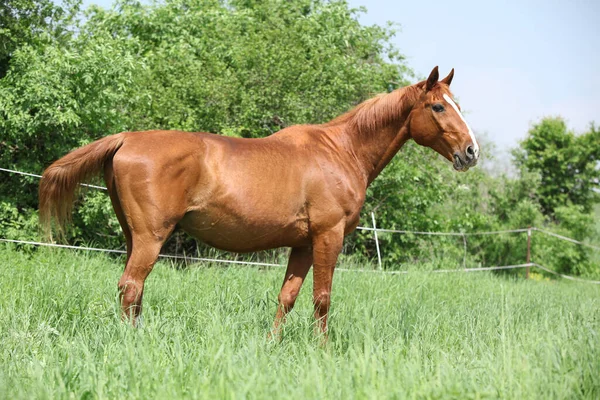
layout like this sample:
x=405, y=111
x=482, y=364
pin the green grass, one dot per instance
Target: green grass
x=204, y=336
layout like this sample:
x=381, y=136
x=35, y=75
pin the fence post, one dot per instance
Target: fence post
x=376, y=240
x=528, y=252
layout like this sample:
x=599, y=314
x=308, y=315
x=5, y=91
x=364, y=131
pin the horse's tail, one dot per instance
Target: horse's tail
x=61, y=180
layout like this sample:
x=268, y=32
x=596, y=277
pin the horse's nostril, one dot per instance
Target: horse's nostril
x=470, y=151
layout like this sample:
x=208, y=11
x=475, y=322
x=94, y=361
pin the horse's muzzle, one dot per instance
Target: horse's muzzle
x=466, y=159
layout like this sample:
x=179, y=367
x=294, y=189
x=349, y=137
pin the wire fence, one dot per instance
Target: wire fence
x=216, y=260
x=39, y=176
x=528, y=264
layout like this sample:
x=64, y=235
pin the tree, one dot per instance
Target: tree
x=28, y=21
x=236, y=68
x=567, y=164
x=248, y=68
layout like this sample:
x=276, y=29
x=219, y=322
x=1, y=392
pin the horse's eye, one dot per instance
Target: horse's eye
x=437, y=107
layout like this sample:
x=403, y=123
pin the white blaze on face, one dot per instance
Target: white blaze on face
x=453, y=104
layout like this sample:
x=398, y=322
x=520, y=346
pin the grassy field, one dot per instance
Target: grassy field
x=204, y=336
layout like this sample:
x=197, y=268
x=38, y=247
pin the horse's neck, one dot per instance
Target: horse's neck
x=374, y=144
x=399, y=137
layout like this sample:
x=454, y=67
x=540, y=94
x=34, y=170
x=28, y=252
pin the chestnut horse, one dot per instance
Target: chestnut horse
x=302, y=187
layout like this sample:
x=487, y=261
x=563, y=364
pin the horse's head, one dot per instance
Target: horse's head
x=436, y=122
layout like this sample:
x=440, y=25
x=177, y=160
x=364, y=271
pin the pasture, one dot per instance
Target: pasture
x=476, y=335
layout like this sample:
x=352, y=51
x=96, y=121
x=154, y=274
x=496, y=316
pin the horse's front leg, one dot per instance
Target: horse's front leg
x=326, y=248
x=298, y=266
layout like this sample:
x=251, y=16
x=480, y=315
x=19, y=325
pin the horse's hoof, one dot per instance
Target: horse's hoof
x=138, y=322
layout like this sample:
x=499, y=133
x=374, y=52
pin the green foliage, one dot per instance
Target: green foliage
x=451, y=336
x=420, y=192
x=569, y=180
x=567, y=164
x=564, y=256
x=235, y=68
x=31, y=22
x=400, y=198
x=17, y=225
x=250, y=68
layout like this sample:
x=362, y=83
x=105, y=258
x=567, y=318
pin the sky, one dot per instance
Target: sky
x=515, y=61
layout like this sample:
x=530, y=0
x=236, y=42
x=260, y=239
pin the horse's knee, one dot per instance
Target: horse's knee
x=287, y=299
x=322, y=300
x=130, y=291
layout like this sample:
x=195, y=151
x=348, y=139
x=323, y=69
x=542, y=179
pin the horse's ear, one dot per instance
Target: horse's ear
x=433, y=79
x=448, y=80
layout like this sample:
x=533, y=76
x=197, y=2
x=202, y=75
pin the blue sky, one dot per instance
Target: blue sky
x=515, y=61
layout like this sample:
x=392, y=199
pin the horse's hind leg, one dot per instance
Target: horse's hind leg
x=152, y=190
x=298, y=265
x=146, y=225
x=109, y=178
x=145, y=250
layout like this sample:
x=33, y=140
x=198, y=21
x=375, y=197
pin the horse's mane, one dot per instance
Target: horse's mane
x=378, y=111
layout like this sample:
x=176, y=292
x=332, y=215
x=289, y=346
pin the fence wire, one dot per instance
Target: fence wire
x=187, y=258
x=39, y=176
x=374, y=229
x=363, y=228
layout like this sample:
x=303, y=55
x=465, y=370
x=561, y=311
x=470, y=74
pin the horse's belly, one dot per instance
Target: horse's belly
x=238, y=233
